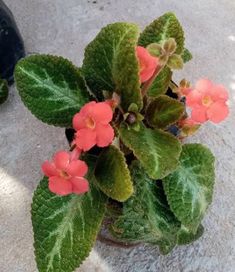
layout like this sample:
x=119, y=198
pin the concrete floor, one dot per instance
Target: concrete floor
x=64, y=28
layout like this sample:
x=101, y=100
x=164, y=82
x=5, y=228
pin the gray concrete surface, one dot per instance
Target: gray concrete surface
x=64, y=28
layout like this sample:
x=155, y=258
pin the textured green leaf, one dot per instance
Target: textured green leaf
x=110, y=63
x=3, y=90
x=157, y=151
x=146, y=216
x=65, y=228
x=186, y=55
x=164, y=111
x=165, y=27
x=161, y=83
x=189, y=188
x=51, y=87
x=112, y=174
x=187, y=237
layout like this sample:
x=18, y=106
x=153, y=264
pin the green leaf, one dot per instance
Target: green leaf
x=3, y=91
x=189, y=188
x=146, y=216
x=165, y=27
x=112, y=174
x=65, y=228
x=186, y=55
x=111, y=64
x=164, y=111
x=186, y=237
x=161, y=83
x=51, y=87
x=157, y=151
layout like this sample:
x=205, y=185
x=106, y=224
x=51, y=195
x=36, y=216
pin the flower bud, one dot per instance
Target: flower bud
x=155, y=49
x=170, y=46
x=131, y=118
x=175, y=62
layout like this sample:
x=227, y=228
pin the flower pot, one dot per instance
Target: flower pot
x=11, y=43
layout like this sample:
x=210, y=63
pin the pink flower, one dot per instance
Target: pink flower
x=148, y=63
x=208, y=102
x=92, y=126
x=66, y=174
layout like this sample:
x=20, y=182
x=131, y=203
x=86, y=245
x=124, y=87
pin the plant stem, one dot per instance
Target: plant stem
x=148, y=83
x=173, y=87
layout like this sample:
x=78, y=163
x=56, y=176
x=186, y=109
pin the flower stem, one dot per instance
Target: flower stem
x=173, y=87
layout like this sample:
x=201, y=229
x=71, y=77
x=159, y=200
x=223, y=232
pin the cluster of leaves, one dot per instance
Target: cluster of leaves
x=165, y=188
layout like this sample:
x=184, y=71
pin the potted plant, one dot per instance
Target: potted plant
x=127, y=168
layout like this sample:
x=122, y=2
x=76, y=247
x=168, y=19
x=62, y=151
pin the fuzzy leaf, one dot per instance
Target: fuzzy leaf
x=165, y=27
x=186, y=237
x=161, y=83
x=164, y=111
x=189, y=188
x=111, y=64
x=157, y=151
x=3, y=90
x=186, y=55
x=112, y=174
x=65, y=228
x=51, y=87
x=146, y=216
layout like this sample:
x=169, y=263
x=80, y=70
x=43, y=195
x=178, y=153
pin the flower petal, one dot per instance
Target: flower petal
x=102, y=113
x=49, y=169
x=80, y=185
x=78, y=121
x=77, y=168
x=61, y=159
x=193, y=98
x=105, y=135
x=60, y=186
x=203, y=85
x=219, y=93
x=147, y=63
x=198, y=114
x=85, y=139
x=217, y=112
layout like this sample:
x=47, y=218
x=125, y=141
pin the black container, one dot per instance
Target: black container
x=11, y=43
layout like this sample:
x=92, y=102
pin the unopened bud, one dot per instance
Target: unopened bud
x=184, y=83
x=163, y=60
x=131, y=118
x=155, y=49
x=175, y=62
x=170, y=46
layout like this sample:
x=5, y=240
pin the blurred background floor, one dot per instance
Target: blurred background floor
x=64, y=28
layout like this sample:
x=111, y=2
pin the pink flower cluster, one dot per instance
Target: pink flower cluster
x=66, y=172
x=92, y=125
